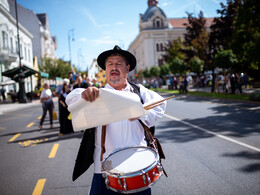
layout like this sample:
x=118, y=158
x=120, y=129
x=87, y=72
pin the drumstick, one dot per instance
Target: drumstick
x=150, y=106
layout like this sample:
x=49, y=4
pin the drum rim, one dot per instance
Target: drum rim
x=134, y=173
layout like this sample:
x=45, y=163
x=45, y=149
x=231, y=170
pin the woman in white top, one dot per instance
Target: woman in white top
x=47, y=104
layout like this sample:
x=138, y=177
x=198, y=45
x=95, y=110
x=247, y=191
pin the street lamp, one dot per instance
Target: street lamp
x=22, y=97
x=70, y=35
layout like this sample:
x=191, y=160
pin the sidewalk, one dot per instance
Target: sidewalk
x=8, y=106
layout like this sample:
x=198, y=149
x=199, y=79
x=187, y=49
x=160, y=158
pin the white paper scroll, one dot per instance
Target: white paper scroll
x=110, y=106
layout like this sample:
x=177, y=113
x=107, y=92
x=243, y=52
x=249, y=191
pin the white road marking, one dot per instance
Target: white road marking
x=213, y=133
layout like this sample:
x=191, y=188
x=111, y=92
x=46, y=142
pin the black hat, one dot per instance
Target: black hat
x=103, y=56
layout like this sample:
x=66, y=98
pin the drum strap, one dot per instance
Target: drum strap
x=103, y=140
x=154, y=143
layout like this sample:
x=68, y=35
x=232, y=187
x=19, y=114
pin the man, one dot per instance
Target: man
x=117, y=63
x=79, y=83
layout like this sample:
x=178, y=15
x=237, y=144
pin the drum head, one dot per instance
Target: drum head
x=130, y=160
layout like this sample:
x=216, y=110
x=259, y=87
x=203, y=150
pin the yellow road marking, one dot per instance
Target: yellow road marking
x=1, y=128
x=14, y=137
x=39, y=187
x=39, y=117
x=53, y=151
x=31, y=124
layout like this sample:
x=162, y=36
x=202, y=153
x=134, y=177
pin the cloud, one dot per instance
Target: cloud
x=216, y=1
x=83, y=39
x=87, y=13
x=104, y=40
x=120, y=23
x=166, y=4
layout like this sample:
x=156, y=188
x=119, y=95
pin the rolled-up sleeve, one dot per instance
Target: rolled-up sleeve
x=148, y=97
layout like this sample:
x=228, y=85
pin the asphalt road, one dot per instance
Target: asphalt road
x=211, y=147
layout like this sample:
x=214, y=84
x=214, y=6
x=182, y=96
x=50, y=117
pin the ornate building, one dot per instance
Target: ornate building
x=155, y=32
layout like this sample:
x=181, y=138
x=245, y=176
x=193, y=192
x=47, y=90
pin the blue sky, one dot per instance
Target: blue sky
x=100, y=24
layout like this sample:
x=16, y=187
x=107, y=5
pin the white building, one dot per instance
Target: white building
x=155, y=33
x=9, y=47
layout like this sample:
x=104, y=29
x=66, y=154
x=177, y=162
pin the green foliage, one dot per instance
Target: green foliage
x=165, y=70
x=155, y=71
x=246, y=43
x=146, y=73
x=55, y=68
x=255, y=96
x=177, y=65
x=196, y=64
x=175, y=49
x=225, y=59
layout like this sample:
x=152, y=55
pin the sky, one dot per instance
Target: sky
x=99, y=25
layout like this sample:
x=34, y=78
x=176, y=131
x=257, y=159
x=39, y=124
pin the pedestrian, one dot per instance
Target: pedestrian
x=3, y=94
x=47, y=104
x=117, y=63
x=79, y=83
x=65, y=123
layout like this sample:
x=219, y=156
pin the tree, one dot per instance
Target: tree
x=196, y=38
x=225, y=59
x=246, y=44
x=178, y=65
x=165, y=70
x=196, y=65
x=175, y=49
x=146, y=73
x=155, y=71
x=222, y=28
x=55, y=68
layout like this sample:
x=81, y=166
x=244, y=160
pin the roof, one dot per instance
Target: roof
x=14, y=73
x=179, y=22
x=150, y=12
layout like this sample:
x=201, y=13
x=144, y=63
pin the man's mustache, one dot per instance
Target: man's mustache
x=114, y=71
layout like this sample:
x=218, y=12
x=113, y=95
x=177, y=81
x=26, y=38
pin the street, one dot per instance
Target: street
x=211, y=147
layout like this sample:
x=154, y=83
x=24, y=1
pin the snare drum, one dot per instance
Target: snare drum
x=132, y=169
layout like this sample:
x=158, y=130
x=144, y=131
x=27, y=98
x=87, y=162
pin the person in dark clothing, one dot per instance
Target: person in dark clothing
x=65, y=123
x=80, y=84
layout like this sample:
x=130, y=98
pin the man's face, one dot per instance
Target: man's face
x=116, y=71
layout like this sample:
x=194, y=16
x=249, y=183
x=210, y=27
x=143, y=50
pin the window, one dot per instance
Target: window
x=11, y=45
x=29, y=55
x=4, y=40
x=157, y=47
x=157, y=23
x=16, y=46
x=21, y=50
x=25, y=54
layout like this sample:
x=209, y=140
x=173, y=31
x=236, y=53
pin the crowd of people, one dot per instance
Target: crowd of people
x=230, y=83
x=68, y=84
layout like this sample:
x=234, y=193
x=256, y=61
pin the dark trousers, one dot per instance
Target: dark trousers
x=47, y=107
x=98, y=187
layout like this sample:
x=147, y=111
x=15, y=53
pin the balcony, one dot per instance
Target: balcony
x=8, y=55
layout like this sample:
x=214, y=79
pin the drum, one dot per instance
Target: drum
x=131, y=169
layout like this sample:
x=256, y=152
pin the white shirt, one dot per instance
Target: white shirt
x=125, y=133
x=46, y=93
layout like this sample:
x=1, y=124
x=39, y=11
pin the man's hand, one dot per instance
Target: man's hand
x=90, y=94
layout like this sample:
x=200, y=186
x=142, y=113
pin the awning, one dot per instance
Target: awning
x=44, y=75
x=14, y=73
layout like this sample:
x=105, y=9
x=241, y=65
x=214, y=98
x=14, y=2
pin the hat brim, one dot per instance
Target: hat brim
x=101, y=60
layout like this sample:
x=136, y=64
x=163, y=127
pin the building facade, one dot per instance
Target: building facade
x=156, y=31
x=9, y=47
x=35, y=38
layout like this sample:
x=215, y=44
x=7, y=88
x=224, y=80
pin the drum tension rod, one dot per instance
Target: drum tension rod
x=144, y=178
x=125, y=186
x=119, y=181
